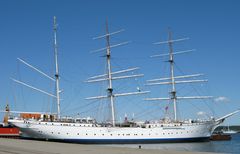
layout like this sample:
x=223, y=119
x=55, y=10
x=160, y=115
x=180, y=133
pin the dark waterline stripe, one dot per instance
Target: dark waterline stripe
x=128, y=141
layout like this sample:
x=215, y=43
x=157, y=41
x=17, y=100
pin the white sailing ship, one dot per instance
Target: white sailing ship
x=228, y=131
x=87, y=130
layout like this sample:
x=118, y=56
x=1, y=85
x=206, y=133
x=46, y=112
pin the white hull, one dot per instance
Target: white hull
x=91, y=133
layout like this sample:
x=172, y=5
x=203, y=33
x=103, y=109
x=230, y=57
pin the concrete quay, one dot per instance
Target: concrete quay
x=19, y=146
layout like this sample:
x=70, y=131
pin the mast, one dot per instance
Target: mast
x=56, y=67
x=171, y=61
x=173, y=80
x=109, y=74
x=56, y=80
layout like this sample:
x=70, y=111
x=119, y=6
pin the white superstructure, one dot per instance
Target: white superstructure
x=89, y=131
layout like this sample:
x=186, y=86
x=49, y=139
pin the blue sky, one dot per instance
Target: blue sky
x=26, y=32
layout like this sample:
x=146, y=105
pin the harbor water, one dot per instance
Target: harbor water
x=232, y=146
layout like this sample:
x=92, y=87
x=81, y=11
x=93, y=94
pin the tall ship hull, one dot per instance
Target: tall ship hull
x=94, y=134
x=169, y=129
